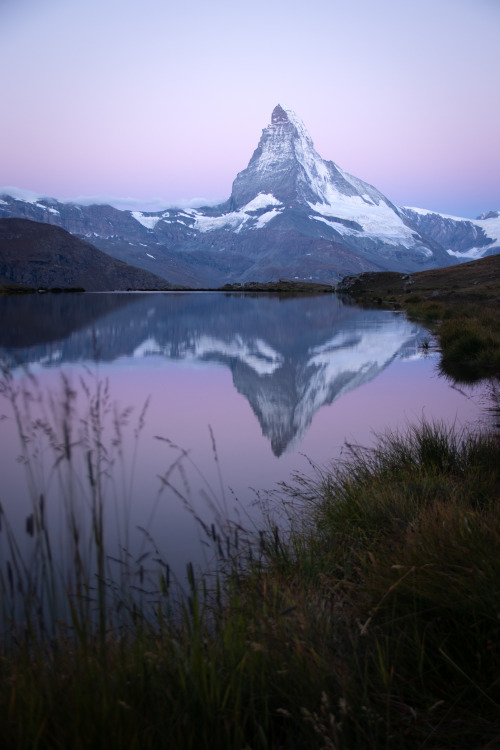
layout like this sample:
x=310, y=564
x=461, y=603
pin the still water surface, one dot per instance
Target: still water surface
x=275, y=384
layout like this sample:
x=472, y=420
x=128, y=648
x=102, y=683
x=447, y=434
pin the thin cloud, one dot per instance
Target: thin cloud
x=123, y=203
x=142, y=204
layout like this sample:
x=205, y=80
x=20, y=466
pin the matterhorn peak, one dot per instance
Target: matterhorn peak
x=280, y=164
x=285, y=115
x=286, y=165
x=279, y=115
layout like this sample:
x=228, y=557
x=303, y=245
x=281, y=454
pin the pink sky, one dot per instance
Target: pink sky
x=151, y=99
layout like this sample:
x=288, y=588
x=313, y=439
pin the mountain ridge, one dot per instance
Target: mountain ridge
x=290, y=214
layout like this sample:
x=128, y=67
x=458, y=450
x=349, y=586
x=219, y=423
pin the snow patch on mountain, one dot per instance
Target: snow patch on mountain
x=337, y=225
x=473, y=253
x=177, y=221
x=429, y=211
x=491, y=226
x=262, y=200
x=147, y=221
x=266, y=218
x=244, y=217
x=376, y=220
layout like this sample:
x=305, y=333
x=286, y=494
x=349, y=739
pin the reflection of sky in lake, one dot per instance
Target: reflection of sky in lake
x=343, y=374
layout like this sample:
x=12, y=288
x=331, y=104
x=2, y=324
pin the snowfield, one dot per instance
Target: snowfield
x=243, y=218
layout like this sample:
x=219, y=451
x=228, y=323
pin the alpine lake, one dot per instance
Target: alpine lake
x=188, y=409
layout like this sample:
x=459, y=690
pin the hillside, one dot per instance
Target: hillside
x=37, y=255
x=477, y=281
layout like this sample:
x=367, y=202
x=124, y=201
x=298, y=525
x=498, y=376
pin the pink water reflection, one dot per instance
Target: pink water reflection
x=185, y=402
x=274, y=399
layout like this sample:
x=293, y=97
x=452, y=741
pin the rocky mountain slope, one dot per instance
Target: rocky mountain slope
x=290, y=214
x=39, y=255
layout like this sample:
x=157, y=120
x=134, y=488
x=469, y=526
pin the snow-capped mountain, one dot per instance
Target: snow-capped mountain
x=290, y=214
x=287, y=172
x=463, y=239
x=286, y=165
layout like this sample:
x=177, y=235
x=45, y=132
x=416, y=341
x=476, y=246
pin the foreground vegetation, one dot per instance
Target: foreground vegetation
x=374, y=622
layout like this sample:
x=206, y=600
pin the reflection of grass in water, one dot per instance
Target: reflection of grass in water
x=468, y=334
x=373, y=624
x=75, y=461
x=79, y=451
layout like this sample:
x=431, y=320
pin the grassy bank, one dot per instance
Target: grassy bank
x=374, y=624
x=461, y=304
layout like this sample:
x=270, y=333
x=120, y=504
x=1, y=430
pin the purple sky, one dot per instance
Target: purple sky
x=165, y=101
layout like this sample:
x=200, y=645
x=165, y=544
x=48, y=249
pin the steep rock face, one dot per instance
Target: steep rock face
x=40, y=255
x=286, y=165
x=275, y=168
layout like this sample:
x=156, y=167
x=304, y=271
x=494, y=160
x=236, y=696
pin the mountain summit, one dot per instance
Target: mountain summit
x=316, y=197
x=279, y=115
x=282, y=164
x=290, y=214
x=286, y=165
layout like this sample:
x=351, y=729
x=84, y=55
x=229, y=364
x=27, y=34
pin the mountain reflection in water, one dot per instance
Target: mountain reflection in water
x=288, y=356
x=244, y=391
